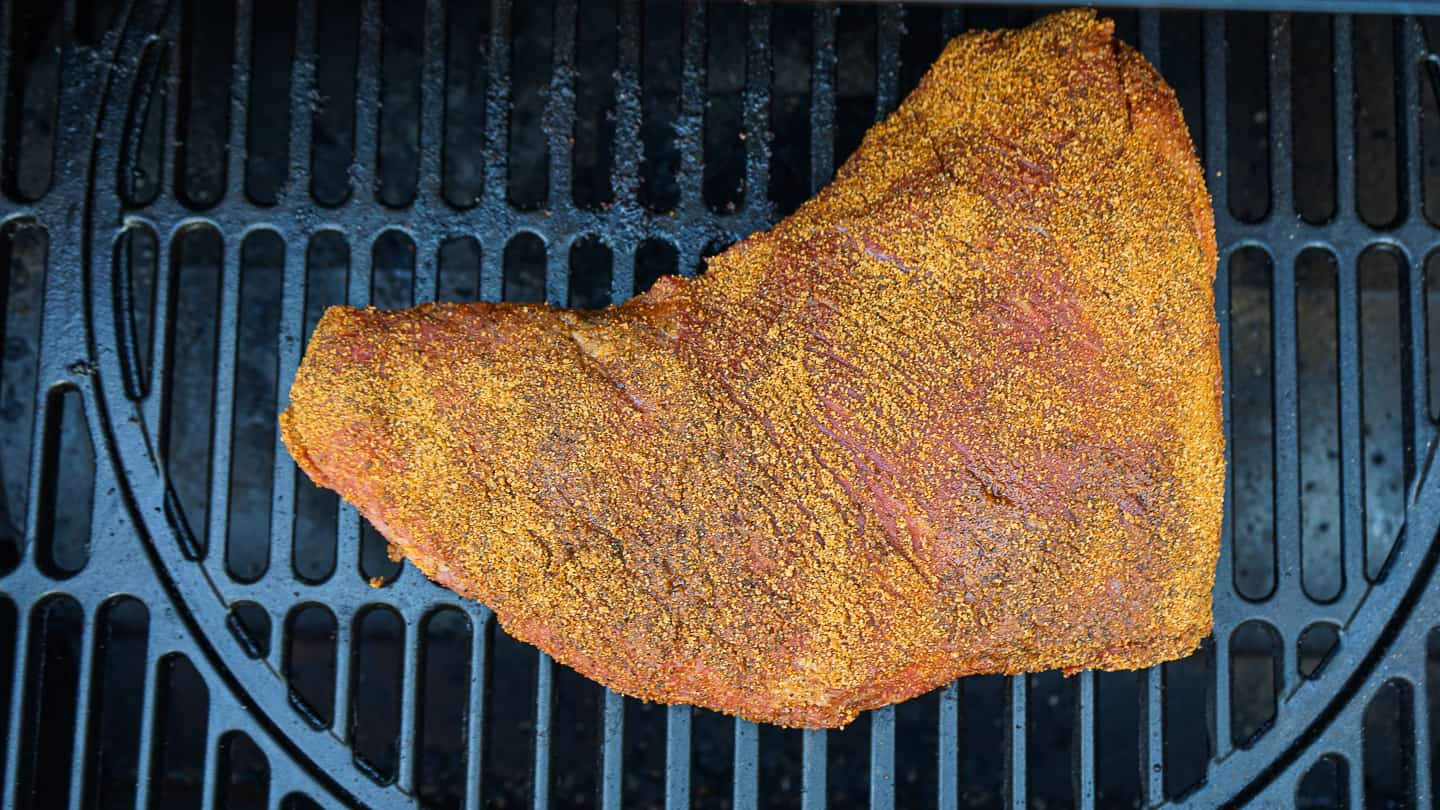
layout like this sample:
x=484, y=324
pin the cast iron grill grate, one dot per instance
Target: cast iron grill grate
x=186, y=621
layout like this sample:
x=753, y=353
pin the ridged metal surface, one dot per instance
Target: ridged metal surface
x=975, y=743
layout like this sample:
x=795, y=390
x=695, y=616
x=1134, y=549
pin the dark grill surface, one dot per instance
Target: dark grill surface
x=185, y=621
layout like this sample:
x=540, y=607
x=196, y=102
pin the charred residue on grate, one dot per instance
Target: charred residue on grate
x=23, y=248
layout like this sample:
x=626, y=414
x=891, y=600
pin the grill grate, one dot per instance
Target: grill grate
x=186, y=621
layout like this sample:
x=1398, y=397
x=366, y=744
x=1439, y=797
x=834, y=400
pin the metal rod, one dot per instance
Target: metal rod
x=812, y=769
x=240, y=72
x=757, y=112
x=1282, y=173
x=497, y=112
x=746, y=781
x=1150, y=36
x=559, y=114
x=84, y=687
x=887, y=61
x=430, y=184
x=217, y=545
x=367, y=105
x=410, y=690
x=690, y=123
x=612, y=750
x=677, y=757
x=1344, y=78
x=947, y=771
x=1152, y=736
x=475, y=701
x=1016, y=770
x=1086, y=732
x=882, y=758
x=822, y=97
x=544, y=727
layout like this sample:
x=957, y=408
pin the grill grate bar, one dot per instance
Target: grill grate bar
x=210, y=759
x=291, y=339
x=559, y=115
x=822, y=97
x=1150, y=36
x=302, y=120
x=882, y=758
x=612, y=750
x=677, y=757
x=6, y=21
x=887, y=56
x=365, y=183
x=169, y=154
x=690, y=122
x=80, y=752
x=544, y=727
x=947, y=771
x=952, y=22
x=1417, y=422
x=20, y=660
x=432, y=114
x=1352, y=459
x=757, y=114
x=475, y=705
x=1152, y=736
x=409, y=702
x=1084, y=759
x=1423, y=768
x=1343, y=74
x=344, y=681
x=145, y=741
x=745, y=783
x=1282, y=173
x=625, y=170
x=1016, y=771
x=223, y=401
x=1286, y=337
x=812, y=769
x=497, y=116
x=240, y=72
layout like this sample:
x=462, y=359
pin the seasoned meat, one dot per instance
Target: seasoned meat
x=959, y=414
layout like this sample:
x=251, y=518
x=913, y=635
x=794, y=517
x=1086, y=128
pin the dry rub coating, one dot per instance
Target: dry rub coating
x=959, y=414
